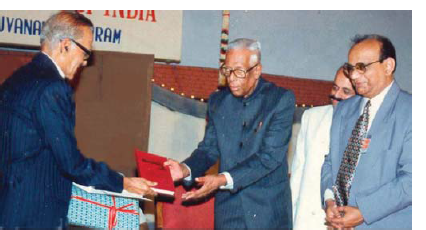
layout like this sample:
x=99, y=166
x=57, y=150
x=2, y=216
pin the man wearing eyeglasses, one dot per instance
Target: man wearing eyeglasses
x=367, y=177
x=39, y=158
x=312, y=146
x=248, y=131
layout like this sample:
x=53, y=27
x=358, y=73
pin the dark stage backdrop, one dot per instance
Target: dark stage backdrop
x=113, y=104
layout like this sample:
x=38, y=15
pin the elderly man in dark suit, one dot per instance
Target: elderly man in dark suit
x=367, y=177
x=248, y=131
x=39, y=158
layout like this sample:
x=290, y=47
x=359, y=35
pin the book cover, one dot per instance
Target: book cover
x=150, y=167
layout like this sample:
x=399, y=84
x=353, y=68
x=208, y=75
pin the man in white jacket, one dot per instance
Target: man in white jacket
x=311, y=148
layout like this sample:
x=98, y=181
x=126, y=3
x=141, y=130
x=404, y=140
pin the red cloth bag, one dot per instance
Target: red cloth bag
x=188, y=216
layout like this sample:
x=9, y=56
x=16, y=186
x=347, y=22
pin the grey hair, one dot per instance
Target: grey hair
x=250, y=44
x=65, y=24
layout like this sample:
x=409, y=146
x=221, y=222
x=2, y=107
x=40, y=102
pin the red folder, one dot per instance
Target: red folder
x=150, y=167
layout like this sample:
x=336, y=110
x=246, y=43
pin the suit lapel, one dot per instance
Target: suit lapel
x=380, y=134
x=350, y=118
x=348, y=121
x=384, y=115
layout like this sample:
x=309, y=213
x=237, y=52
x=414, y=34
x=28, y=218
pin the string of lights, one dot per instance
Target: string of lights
x=206, y=99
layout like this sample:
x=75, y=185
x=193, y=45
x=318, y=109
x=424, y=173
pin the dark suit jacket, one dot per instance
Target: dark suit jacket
x=381, y=187
x=39, y=158
x=250, y=137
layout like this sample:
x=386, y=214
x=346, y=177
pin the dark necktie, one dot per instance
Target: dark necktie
x=350, y=158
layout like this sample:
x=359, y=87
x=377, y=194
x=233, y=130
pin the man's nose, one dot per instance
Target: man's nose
x=231, y=77
x=338, y=94
x=354, y=75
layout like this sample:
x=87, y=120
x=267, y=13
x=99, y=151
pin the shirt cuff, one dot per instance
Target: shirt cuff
x=328, y=194
x=229, y=181
x=188, y=178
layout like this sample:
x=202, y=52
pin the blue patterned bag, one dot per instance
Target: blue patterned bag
x=102, y=211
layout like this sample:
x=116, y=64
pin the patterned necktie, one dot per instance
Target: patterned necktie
x=350, y=158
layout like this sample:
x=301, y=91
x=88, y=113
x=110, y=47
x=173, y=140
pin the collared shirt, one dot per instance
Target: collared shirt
x=57, y=67
x=376, y=102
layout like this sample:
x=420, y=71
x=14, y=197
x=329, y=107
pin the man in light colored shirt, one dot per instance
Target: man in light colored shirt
x=312, y=145
x=380, y=189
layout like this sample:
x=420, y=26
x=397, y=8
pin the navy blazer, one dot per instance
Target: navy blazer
x=250, y=137
x=39, y=158
x=381, y=187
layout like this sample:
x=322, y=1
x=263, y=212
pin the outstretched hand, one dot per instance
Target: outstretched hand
x=139, y=185
x=210, y=183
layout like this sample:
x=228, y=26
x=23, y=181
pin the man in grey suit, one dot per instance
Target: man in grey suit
x=248, y=131
x=313, y=144
x=366, y=179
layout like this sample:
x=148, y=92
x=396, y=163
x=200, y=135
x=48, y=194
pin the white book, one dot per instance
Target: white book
x=163, y=191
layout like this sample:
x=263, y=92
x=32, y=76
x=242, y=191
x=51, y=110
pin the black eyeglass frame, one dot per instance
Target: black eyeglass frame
x=348, y=69
x=86, y=51
x=233, y=70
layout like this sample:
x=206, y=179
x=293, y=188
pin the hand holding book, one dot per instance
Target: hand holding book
x=208, y=183
x=139, y=186
x=177, y=170
x=151, y=167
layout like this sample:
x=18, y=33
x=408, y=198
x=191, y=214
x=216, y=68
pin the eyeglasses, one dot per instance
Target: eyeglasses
x=239, y=73
x=86, y=51
x=348, y=69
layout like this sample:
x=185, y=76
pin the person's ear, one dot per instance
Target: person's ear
x=258, y=70
x=65, y=45
x=389, y=65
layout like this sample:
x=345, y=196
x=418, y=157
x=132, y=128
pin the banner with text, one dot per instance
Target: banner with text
x=155, y=32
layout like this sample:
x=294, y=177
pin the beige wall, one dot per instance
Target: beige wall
x=173, y=134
